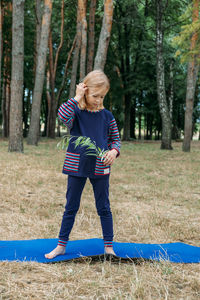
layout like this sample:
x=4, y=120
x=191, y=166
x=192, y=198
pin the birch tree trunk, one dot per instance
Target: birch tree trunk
x=83, y=6
x=33, y=135
x=76, y=54
x=91, y=36
x=104, y=38
x=16, y=128
x=164, y=109
x=171, y=91
x=192, y=73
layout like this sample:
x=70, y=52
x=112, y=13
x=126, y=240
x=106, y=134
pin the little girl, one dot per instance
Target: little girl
x=86, y=116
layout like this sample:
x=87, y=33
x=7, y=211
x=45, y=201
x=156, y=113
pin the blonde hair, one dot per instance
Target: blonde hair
x=96, y=79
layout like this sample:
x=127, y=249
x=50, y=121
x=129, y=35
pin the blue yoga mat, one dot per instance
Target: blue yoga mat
x=34, y=250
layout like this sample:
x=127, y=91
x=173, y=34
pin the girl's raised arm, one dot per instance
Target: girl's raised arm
x=66, y=112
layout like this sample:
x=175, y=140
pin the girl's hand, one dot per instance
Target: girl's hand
x=109, y=157
x=80, y=91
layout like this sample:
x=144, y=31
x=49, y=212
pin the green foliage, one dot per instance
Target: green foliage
x=133, y=28
x=182, y=41
x=83, y=142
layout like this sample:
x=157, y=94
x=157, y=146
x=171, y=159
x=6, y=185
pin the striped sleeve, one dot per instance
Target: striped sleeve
x=66, y=112
x=113, y=137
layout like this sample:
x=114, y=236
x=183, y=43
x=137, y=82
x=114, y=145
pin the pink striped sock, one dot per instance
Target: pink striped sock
x=108, y=243
x=62, y=243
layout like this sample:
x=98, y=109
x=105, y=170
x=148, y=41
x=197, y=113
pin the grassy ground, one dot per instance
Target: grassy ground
x=155, y=198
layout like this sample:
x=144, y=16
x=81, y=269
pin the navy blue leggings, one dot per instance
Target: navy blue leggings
x=73, y=196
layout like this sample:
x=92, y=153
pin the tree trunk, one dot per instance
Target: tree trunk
x=127, y=111
x=65, y=71
x=2, y=97
x=38, y=14
x=171, y=91
x=5, y=105
x=136, y=63
x=164, y=110
x=192, y=73
x=124, y=69
x=91, y=36
x=149, y=123
x=16, y=124
x=52, y=103
x=126, y=133
x=132, y=119
x=151, y=128
x=139, y=123
x=83, y=5
x=104, y=38
x=1, y=45
x=33, y=135
x=76, y=54
x=61, y=40
x=26, y=108
x=3, y=108
x=48, y=97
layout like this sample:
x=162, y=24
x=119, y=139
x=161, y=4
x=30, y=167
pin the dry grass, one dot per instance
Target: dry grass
x=155, y=198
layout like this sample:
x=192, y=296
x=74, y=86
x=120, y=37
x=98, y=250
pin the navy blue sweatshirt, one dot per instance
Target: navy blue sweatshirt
x=100, y=126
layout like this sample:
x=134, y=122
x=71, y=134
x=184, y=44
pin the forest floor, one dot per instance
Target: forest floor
x=154, y=196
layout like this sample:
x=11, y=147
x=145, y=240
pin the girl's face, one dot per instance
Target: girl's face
x=94, y=98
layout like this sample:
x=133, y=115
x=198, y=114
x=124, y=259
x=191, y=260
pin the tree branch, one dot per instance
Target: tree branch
x=66, y=69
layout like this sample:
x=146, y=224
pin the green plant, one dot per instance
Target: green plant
x=81, y=141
